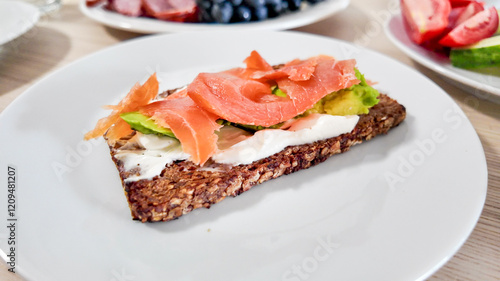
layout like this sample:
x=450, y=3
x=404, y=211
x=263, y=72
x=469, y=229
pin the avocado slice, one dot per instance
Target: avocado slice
x=145, y=124
x=354, y=100
x=278, y=92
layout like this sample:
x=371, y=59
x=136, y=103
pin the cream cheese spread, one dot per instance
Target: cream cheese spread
x=160, y=151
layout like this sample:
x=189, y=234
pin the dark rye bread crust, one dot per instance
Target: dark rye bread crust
x=183, y=186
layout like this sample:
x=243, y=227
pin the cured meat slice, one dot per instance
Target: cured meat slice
x=194, y=127
x=177, y=10
x=131, y=8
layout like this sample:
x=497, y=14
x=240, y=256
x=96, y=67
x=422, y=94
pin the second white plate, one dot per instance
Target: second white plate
x=309, y=15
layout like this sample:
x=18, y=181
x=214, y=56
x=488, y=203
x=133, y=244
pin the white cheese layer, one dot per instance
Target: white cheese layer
x=160, y=151
x=265, y=143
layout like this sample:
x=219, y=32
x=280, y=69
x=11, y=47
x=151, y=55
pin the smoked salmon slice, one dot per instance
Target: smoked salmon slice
x=239, y=99
x=194, y=127
x=238, y=95
x=256, y=62
x=138, y=96
x=329, y=76
x=296, y=70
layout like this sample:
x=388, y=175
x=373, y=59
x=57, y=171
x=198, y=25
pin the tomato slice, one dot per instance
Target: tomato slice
x=463, y=3
x=464, y=13
x=425, y=19
x=482, y=25
x=92, y=3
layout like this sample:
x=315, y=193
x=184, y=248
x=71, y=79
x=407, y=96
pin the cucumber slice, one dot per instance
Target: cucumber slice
x=485, y=53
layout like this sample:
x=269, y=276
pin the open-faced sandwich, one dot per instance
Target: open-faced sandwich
x=228, y=131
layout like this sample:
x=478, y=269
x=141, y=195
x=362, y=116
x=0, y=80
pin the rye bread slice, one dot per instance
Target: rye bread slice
x=184, y=186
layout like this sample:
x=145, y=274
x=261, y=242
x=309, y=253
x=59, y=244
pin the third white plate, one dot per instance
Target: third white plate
x=474, y=82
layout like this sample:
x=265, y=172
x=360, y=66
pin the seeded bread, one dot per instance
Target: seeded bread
x=184, y=186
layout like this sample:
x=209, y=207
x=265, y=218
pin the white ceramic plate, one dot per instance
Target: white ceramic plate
x=474, y=82
x=16, y=18
x=394, y=208
x=309, y=15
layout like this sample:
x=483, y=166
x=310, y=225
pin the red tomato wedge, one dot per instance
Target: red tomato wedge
x=234, y=97
x=138, y=96
x=461, y=14
x=194, y=127
x=482, y=25
x=92, y=3
x=425, y=19
x=463, y=3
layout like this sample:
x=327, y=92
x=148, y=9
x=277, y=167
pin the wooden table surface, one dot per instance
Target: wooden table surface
x=68, y=35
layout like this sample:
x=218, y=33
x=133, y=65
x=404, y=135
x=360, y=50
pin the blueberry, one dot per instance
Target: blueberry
x=236, y=3
x=243, y=14
x=255, y=3
x=274, y=7
x=222, y=12
x=294, y=5
x=314, y=1
x=204, y=4
x=284, y=5
x=205, y=16
x=204, y=10
x=260, y=13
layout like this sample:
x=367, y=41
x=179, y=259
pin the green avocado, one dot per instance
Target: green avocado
x=145, y=124
x=248, y=128
x=278, y=92
x=354, y=100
